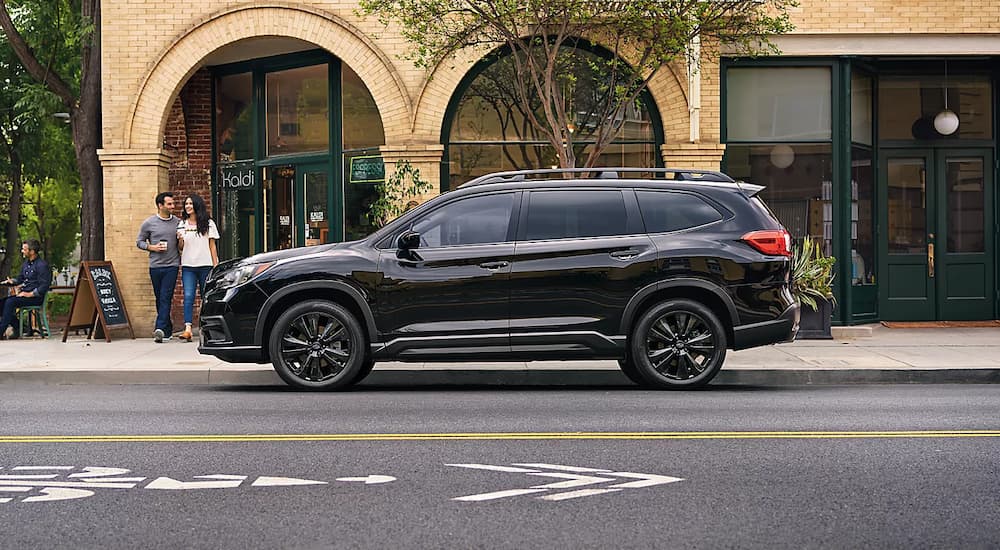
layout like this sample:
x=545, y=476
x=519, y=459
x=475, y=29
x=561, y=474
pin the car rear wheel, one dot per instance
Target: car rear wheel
x=629, y=370
x=317, y=346
x=678, y=344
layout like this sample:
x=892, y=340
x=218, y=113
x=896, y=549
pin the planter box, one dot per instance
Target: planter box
x=815, y=325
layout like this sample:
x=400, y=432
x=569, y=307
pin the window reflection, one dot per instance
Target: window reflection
x=297, y=109
x=907, y=205
x=233, y=117
x=908, y=105
x=965, y=205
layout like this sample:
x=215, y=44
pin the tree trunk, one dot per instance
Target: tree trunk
x=86, y=122
x=13, y=239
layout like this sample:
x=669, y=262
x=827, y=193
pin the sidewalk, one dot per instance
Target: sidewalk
x=936, y=355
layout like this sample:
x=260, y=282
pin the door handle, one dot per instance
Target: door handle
x=930, y=260
x=492, y=266
x=624, y=254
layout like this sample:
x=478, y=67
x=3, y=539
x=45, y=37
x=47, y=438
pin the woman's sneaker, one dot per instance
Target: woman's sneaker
x=158, y=336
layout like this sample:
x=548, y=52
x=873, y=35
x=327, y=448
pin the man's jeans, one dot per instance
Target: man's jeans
x=164, y=280
x=10, y=306
x=193, y=277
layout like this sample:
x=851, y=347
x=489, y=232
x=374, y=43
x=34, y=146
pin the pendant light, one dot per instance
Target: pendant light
x=946, y=122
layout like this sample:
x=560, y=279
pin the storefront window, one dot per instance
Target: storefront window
x=778, y=103
x=362, y=122
x=862, y=216
x=861, y=109
x=297, y=103
x=798, y=184
x=908, y=105
x=490, y=131
x=233, y=117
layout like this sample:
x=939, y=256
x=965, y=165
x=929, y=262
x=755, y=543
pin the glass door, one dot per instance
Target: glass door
x=314, y=182
x=937, y=252
x=281, y=218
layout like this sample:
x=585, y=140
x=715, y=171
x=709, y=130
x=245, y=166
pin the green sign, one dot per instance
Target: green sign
x=367, y=169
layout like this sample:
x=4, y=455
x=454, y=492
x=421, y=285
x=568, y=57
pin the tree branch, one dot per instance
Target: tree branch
x=50, y=80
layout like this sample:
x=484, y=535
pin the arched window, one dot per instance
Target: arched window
x=487, y=130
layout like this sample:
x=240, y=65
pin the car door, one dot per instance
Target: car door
x=450, y=296
x=580, y=255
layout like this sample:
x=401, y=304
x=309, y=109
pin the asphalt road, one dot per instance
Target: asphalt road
x=587, y=467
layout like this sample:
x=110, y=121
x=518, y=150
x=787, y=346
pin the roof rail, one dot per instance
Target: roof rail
x=603, y=172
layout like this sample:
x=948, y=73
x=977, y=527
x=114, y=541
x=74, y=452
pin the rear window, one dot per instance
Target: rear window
x=765, y=210
x=664, y=211
x=567, y=214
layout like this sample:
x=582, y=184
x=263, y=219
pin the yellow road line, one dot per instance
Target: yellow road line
x=224, y=438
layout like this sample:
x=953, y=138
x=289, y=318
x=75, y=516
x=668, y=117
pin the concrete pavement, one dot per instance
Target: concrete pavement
x=937, y=355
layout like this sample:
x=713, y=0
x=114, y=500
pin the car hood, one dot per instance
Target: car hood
x=276, y=255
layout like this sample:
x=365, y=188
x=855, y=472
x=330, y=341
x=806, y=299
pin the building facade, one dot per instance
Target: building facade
x=874, y=132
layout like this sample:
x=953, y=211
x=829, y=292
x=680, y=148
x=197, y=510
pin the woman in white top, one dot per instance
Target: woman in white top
x=196, y=236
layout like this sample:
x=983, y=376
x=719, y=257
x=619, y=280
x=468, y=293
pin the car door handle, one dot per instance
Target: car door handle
x=492, y=266
x=625, y=254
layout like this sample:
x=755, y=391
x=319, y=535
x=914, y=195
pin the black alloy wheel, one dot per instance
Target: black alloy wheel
x=317, y=346
x=678, y=343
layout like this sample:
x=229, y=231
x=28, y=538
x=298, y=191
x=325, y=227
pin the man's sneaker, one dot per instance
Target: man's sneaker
x=158, y=335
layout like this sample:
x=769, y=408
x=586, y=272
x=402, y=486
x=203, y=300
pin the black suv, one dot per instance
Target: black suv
x=660, y=269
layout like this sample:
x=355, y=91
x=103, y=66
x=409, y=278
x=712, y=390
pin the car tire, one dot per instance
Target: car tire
x=631, y=371
x=678, y=344
x=366, y=369
x=317, y=345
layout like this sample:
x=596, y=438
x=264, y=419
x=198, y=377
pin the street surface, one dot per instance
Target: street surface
x=523, y=467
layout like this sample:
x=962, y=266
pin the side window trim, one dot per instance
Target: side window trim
x=633, y=225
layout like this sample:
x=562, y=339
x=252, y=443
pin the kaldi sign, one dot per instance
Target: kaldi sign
x=238, y=175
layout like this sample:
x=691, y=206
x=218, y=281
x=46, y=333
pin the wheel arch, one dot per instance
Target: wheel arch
x=704, y=292
x=338, y=292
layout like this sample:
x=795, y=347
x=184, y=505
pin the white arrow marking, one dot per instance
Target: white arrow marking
x=647, y=480
x=493, y=468
x=53, y=493
x=13, y=490
x=225, y=481
x=577, y=494
x=79, y=484
x=100, y=471
x=566, y=468
x=369, y=480
x=22, y=468
x=266, y=481
x=574, y=480
x=499, y=494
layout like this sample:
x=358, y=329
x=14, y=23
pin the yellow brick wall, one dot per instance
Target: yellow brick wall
x=151, y=48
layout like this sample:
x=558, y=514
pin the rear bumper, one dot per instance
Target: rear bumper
x=782, y=329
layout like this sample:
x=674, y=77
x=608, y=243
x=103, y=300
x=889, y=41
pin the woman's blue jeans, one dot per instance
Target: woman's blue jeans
x=193, y=276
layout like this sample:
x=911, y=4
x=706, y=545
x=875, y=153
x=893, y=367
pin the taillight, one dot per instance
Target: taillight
x=773, y=242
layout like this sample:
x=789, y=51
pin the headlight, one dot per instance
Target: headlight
x=242, y=274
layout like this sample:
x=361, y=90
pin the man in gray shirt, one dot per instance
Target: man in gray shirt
x=158, y=236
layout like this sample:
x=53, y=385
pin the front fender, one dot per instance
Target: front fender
x=340, y=286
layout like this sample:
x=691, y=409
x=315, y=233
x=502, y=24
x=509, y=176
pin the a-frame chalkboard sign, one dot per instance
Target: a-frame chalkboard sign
x=97, y=302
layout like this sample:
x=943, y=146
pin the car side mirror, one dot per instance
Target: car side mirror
x=406, y=243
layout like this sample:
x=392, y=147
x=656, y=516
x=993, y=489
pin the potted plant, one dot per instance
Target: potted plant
x=812, y=288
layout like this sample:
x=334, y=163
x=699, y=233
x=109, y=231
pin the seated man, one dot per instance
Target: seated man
x=29, y=290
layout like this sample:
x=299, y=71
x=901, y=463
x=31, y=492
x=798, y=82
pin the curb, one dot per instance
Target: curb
x=483, y=377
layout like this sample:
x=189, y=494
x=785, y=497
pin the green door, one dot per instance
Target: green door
x=937, y=243
x=297, y=205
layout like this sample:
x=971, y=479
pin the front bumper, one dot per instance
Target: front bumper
x=228, y=321
x=782, y=329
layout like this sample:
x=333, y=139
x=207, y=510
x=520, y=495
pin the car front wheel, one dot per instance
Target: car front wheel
x=678, y=343
x=317, y=346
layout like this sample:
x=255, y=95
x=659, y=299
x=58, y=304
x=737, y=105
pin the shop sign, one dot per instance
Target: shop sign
x=238, y=175
x=367, y=169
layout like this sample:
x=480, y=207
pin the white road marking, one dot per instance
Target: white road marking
x=55, y=493
x=27, y=468
x=493, y=468
x=574, y=480
x=369, y=480
x=30, y=476
x=100, y=471
x=268, y=481
x=647, y=480
x=79, y=484
x=566, y=468
x=499, y=494
x=13, y=490
x=224, y=482
x=577, y=494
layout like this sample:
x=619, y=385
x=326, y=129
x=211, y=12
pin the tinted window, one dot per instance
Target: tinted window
x=663, y=211
x=474, y=220
x=570, y=214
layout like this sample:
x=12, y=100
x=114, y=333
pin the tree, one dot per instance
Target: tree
x=58, y=45
x=540, y=37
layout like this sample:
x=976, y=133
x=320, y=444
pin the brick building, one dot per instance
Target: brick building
x=874, y=130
